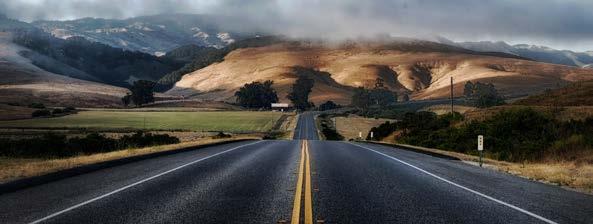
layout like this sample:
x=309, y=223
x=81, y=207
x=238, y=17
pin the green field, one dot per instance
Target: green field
x=229, y=121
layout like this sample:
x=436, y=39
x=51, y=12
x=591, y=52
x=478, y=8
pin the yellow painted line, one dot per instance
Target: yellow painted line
x=308, y=197
x=296, y=209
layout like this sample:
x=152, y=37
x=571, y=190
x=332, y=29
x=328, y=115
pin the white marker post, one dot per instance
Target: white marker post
x=371, y=135
x=360, y=135
x=480, y=147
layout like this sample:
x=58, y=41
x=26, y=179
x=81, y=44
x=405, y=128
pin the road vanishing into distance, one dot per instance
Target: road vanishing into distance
x=295, y=181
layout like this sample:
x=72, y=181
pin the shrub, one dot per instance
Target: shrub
x=41, y=113
x=221, y=135
x=37, y=105
x=328, y=129
x=511, y=135
x=53, y=145
x=57, y=111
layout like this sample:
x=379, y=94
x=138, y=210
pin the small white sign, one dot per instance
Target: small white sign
x=360, y=134
x=279, y=105
x=372, y=134
x=480, y=142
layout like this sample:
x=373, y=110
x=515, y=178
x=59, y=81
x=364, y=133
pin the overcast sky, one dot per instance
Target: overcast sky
x=563, y=24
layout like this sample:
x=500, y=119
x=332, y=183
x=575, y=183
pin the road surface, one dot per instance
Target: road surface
x=305, y=179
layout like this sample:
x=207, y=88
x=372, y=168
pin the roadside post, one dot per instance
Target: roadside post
x=371, y=135
x=360, y=134
x=481, y=147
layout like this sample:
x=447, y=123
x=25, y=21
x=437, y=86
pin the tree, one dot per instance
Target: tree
x=379, y=83
x=257, y=95
x=405, y=97
x=126, y=99
x=483, y=94
x=329, y=105
x=382, y=97
x=361, y=98
x=468, y=90
x=142, y=92
x=300, y=93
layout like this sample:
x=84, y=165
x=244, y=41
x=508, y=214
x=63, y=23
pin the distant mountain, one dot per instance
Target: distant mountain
x=150, y=34
x=538, y=53
x=80, y=58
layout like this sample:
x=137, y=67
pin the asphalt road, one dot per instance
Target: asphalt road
x=279, y=181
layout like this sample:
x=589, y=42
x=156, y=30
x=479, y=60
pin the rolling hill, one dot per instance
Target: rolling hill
x=419, y=68
x=22, y=83
x=150, y=34
x=538, y=53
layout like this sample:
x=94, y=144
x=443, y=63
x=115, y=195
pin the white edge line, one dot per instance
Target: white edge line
x=461, y=186
x=134, y=184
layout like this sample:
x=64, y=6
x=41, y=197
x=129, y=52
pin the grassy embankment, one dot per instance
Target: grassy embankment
x=18, y=168
x=567, y=162
x=114, y=124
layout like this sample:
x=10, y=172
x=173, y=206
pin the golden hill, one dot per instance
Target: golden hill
x=421, y=69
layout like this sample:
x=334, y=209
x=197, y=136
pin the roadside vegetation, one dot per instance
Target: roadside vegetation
x=328, y=128
x=514, y=135
x=16, y=168
x=57, y=145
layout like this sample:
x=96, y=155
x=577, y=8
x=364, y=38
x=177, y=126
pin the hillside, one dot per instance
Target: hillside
x=150, y=34
x=538, y=53
x=576, y=94
x=419, y=68
x=23, y=83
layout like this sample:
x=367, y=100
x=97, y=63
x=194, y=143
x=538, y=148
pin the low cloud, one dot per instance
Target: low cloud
x=559, y=23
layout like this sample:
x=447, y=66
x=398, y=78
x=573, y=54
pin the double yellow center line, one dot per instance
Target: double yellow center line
x=304, y=171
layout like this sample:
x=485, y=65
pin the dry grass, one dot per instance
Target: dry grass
x=288, y=126
x=8, y=112
x=577, y=176
x=446, y=108
x=350, y=126
x=576, y=94
x=12, y=169
x=560, y=113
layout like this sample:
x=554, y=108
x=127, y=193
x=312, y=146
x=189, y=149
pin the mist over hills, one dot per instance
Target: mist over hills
x=200, y=58
x=535, y=52
x=156, y=34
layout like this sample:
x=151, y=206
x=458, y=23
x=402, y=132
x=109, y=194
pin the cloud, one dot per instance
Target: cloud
x=560, y=23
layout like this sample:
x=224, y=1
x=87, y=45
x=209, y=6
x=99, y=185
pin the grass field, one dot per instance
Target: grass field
x=229, y=121
x=351, y=125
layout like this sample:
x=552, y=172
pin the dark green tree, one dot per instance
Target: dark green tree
x=300, y=93
x=257, y=95
x=361, y=98
x=483, y=94
x=142, y=92
x=329, y=105
x=468, y=89
x=382, y=97
x=405, y=97
x=126, y=99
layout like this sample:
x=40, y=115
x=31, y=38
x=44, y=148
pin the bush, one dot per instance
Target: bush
x=512, y=135
x=221, y=135
x=53, y=145
x=57, y=111
x=329, y=105
x=328, y=129
x=41, y=113
x=37, y=105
